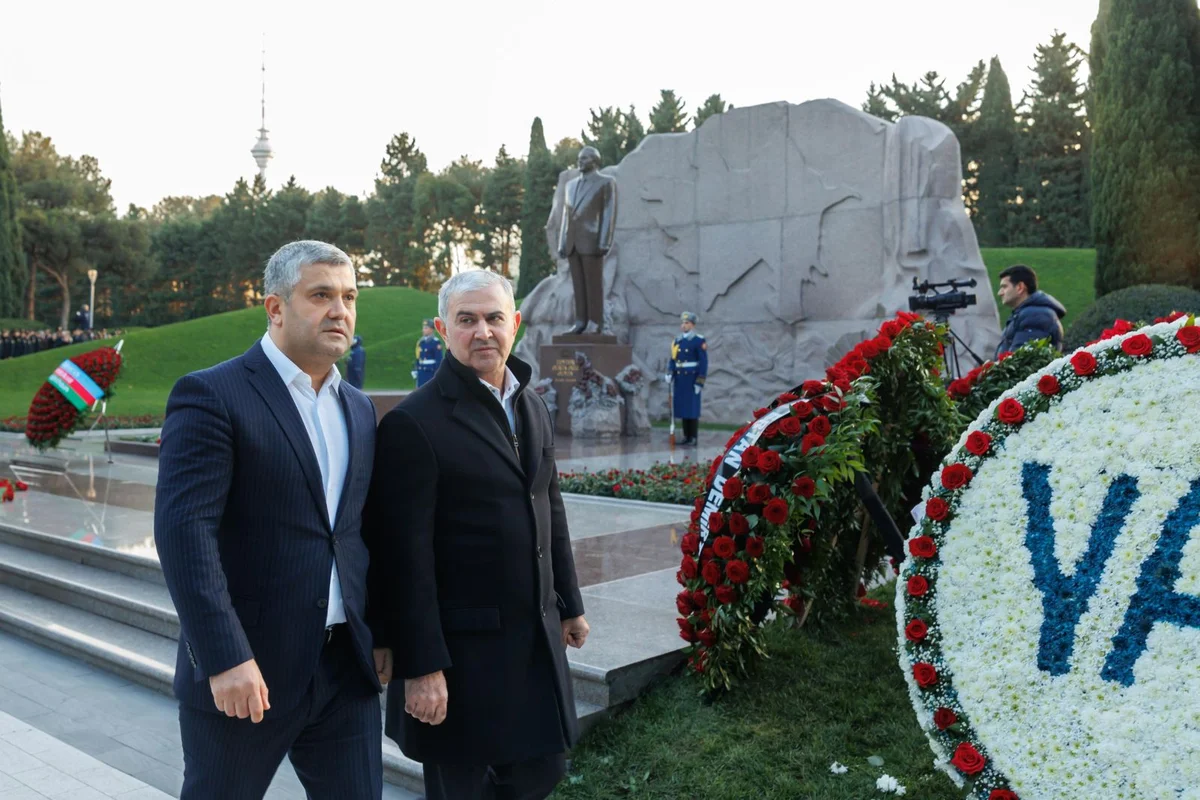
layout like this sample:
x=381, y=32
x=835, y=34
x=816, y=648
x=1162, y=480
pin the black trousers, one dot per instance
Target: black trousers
x=691, y=428
x=587, y=279
x=333, y=738
x=526, y=780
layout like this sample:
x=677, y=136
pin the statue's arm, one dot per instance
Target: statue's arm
x=562, y=226
x=608, y=216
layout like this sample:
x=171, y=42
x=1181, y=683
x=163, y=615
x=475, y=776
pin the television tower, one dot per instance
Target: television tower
x=262, y=150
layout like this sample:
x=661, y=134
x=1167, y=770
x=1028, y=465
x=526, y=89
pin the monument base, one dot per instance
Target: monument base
x=583, y=338
x=557, y=362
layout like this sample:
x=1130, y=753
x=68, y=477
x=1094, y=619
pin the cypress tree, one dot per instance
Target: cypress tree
x=541, y=179
x=12, y=261
x=668, y=116
x=1145, y=166
x=996, y=155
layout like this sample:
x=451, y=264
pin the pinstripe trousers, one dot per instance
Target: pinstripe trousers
x=333, y=738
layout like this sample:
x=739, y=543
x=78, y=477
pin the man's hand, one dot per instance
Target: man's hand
x=575, y=632
x=241, y=692
x=425, y=698
x=383, y=665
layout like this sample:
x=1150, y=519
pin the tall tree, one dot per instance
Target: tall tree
x=393, y=234
x=633, y=132
x=1145, y=168
x=1053, y=145
x=996, y=158
x=503, y=195
x=566, y=152
x=669, y=115
x=12, y=260
x=606, y=132
x=712, y=106
x=541, y=181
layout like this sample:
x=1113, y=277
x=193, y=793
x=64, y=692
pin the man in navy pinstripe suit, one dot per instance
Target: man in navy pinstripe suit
x=264, y=468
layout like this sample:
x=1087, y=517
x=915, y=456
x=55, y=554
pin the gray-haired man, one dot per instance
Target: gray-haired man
x=263, y=473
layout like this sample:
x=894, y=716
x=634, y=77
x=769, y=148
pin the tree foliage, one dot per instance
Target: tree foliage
x=541, y=180
x=995, y=157
x=12, y=259
x=668, y=116
x=711, y=107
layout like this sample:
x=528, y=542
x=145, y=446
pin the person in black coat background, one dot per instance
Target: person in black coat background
x=472, y=581
x=356, y=367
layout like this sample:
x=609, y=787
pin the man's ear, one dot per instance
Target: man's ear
x=439, y=326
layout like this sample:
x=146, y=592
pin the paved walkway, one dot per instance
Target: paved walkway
x=70, y=731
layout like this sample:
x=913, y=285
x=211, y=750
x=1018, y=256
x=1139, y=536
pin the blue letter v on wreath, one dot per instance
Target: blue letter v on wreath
x=1156, y=599
x=1065, y=599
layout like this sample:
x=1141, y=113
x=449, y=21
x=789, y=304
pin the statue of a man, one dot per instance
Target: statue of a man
x=585, y=236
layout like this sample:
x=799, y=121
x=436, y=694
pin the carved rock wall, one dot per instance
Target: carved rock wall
x=792, y=230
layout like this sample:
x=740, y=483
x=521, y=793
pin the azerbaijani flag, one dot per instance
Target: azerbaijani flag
x=75, y=385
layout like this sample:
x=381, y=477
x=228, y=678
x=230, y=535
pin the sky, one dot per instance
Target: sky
x=166, y=95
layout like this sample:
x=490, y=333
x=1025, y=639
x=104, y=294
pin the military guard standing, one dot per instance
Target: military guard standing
x=687, y=371
x=429, y=354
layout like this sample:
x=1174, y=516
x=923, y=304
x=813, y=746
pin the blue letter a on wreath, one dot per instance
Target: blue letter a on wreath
x=1156, y=599
x=1065, y=599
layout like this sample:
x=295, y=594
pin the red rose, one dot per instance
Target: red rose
x=891, y=328
x=738, y=571
x=688, y=567
x=922, y=547
x=22, y=486
x=918, y=586
x=759, y=413
x=831, y=403
x=686, y=631
x=738, y=525
x=726, y=594
x=802, y=408
x=1048, y=385
x=978, y=443
x=716, y=522
x=916, y=631
x=925, y=674
x=706, y=554
x=785, y=398
x=867, y=349
x=684, y=603
x=1138, y=345
x=790, y=427
x=711, y=573
x=724, y=547
x=956, y=476
x=1122, y=326
x=1003, y=794
x=944, y=718
x=690, y=545
x=732, y=489
x=699, y=598
x=804, y=486
x=1189, y=337
x=769, y=461
x=755, y=547
x=967, y=759
x=882, y=342
x=707, y=638
x=758, y=493
x=812, y=388
x=1084, y=363
x=750, y=456
x=810, y=441
x=959, y=388
x=1010, y=411
x=776, y=511
x=820, y=426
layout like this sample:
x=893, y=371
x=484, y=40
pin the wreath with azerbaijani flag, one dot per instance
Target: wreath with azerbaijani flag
x=76, y=385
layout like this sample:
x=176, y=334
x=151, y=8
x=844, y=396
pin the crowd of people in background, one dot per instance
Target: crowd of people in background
x=19, y=342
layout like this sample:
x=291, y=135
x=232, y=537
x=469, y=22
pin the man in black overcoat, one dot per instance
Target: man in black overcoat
x=472, y=582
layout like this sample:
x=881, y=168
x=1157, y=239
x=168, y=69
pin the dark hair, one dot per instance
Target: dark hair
x=1019, y=273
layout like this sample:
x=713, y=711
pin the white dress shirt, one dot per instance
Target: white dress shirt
x=511, y=384
x=322, y=415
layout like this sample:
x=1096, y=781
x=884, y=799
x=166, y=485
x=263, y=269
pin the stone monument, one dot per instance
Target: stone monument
x=792, y=229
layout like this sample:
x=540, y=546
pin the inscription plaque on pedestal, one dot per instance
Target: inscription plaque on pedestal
x=557, y=362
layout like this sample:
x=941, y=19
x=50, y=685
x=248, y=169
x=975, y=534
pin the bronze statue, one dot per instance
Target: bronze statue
x=585, y=236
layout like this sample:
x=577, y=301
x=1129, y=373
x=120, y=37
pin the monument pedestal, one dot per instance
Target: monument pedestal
x=557, y=362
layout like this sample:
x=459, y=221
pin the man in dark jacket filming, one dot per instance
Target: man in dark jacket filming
x=1036, y=315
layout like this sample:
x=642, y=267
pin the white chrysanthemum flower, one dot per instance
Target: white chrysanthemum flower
x=838, y=769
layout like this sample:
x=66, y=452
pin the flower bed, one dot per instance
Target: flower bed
x=1048, y=612
x=662, y=483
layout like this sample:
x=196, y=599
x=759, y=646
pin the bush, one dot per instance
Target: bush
x=1144, y=303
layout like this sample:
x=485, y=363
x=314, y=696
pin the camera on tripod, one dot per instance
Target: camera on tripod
x=941, y=303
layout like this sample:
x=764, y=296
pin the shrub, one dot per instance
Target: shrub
x=1134, y=303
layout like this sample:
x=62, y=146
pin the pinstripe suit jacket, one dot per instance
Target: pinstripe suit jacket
x=243, y=533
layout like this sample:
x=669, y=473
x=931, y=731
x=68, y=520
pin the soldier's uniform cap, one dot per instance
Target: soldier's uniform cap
x=688, y=316
x=428, y=323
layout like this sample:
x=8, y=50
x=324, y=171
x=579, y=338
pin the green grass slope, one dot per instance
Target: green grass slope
x=1069, y=275
x=389, y=320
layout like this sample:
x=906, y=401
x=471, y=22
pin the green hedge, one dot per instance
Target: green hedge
x=1136, y=304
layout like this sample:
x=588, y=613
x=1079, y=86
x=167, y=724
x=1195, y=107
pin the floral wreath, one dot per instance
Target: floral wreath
x=944, y=558
x=755, y=528
x=51, y=417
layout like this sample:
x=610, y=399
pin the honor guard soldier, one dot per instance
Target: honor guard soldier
x=429, y=354
x=687, y=371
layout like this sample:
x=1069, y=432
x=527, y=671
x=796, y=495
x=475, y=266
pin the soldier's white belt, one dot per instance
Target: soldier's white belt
x=426, y=361
x=687, y=364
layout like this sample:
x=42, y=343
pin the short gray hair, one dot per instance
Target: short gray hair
x=283, y=269
x=472, y=280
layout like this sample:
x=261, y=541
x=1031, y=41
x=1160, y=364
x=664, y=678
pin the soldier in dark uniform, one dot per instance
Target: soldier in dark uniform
x=356, y=369
x=429, y=354
x=688, y=370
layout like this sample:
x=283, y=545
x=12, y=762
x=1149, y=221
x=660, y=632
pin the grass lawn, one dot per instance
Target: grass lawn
x=1069, y=275
x=836, y=695
x=389, y=320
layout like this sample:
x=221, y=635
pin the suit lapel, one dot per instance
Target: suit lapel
x=270, y=386
x=585, y=190
x=351, y=429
